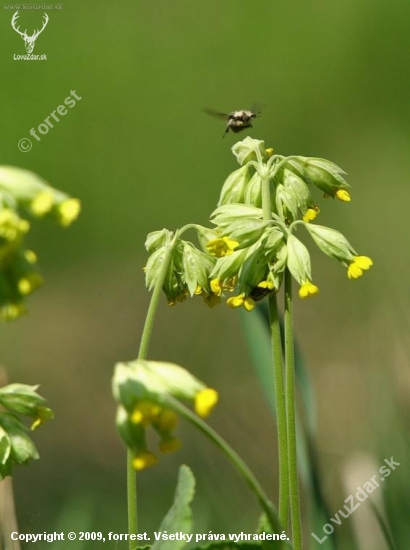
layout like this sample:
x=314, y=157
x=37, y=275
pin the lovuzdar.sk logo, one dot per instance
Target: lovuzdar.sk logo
x=29, y=40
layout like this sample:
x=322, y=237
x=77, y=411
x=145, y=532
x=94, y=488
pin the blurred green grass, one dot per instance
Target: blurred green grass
x=141, y=155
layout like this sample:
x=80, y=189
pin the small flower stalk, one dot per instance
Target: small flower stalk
x=24, y=193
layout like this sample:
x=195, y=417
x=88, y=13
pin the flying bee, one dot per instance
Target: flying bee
x=236, y=120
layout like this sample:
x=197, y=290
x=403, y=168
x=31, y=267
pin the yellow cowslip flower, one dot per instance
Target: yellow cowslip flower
x=311, y=214
x=68, y=211
x=241, y=300
x=343, y=195
x=307, y=290
x=144, y=413
x=26, y=285
x=216, y=287
x=11, y=225
x=169, y=444
x=43, y=414
x=143, y=460
x=42, y=203
x=223, y=246
x=11, y=311
x=205, y=401
x=266, y=284
x=30, y=256
x=358, y=265
x=166, y=420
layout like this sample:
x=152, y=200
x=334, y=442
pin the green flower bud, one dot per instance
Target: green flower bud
x=245, y=150
x=297, y=186
x=247, y=232
x=273, y=240
x=205, y=234
x=158, y=239
x=12, y=230
x=132, y=433
x=143, y=390
x=326, y=175
x=227, y=214
x=253, y=193
x=21, y=398
x=153, y=266
x=16, y=447
x=294, y=165
x=153, y=381
x=331, y=242
x=254, y=270
x=286, y=203
x=233, y=190
x=39, y=198
x=298, y=260
x=17, y=280
x=196, y=268
x=228, y=266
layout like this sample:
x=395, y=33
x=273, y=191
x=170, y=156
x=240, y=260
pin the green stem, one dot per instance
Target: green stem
x=280, y=410
x=234, y=458
x=156, y=295
x=279, y=383
x=132, y=500
x=291, y=415
x=142, y=354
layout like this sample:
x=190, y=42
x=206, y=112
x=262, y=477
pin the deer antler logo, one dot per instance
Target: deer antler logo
x=30, y=41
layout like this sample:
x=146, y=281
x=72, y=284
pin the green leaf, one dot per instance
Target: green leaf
x=179, y=516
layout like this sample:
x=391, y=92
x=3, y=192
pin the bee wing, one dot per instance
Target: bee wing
x=257, y=108
x=216, y=113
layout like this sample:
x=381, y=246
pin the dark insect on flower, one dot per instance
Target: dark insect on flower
x=258, y=293
x=236, y=121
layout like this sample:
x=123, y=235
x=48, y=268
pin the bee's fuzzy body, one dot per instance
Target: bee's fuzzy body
x=236, y=120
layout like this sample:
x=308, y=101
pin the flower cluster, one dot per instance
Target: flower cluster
x=261, y=206
x=188, y=268
x=21, y=190
x=144, y=391
x=16, y=447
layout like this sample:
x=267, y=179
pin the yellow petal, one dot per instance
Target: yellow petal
x=343, y=195
x=308, y=290
x=169, y=445
x=205, y=401
x=144, y=460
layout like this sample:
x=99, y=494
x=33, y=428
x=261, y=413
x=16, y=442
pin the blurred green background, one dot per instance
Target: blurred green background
x=333, y=81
